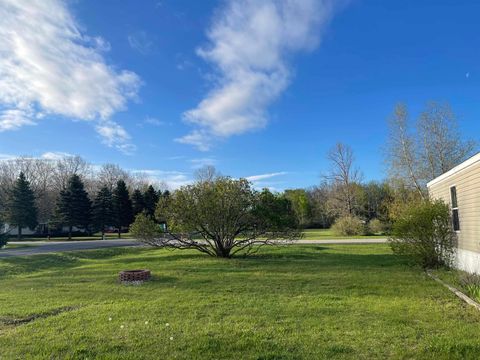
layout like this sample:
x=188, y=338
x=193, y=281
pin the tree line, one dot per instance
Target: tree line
x=68, y=193
x=416, y=151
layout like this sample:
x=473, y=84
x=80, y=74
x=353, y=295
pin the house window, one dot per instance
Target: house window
x=454, y=202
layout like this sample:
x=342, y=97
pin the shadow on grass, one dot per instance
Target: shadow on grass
x=22, y=265
x=57, y=262
x=279, y=259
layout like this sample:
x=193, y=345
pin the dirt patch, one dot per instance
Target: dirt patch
x=6, y=321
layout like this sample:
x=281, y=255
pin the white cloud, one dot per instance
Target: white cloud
x=250, y=43
x=256, y=178
x=197, y=138
x=114, y=135
x=49, y=67
x=55, y=155
x=173, y=179
x=14, y=119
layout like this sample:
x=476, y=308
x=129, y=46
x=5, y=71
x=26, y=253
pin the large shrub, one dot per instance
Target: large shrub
x=348, y=226
x=145, y=228
x=220, y=217
x=376, y=227
x=424, y=232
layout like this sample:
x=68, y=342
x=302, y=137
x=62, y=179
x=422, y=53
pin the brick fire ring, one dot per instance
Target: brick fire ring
x=132, y=276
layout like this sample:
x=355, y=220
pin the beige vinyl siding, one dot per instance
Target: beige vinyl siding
x=467, y=183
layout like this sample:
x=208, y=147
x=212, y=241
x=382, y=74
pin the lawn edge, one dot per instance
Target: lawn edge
x=457, y=292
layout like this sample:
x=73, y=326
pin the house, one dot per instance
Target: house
x=40, y=230
x=460, y=188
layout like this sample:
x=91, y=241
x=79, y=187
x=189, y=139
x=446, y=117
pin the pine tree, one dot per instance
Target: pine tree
x=22, y=211
x=150, y=198
x=122, y=207
x=74, y=206
x=102, y=209
x=137, y=202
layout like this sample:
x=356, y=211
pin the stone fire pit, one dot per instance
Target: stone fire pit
x=134, y=276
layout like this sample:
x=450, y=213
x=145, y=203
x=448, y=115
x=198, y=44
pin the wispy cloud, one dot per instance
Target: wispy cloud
x=113, y=135
x=14, y=119
x=255, y=178
x=250, y=43
x=55, y=155
x=154, y=121
x=198, y=163
x=49, y=67
x=173, y=179
x=140, y=42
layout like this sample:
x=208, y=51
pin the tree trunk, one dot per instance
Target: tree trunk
x=119, y=232
x=70, y=232
x=19, y=235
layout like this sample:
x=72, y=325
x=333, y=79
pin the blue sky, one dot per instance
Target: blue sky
x=260, y=89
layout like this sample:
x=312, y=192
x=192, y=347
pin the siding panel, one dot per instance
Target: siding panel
x=467, y=183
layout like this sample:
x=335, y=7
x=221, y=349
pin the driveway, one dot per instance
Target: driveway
x=43, y=247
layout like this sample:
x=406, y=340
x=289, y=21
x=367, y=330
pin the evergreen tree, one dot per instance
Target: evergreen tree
x=150, y=198
x=22, y=211
x=74, y=206
x=137, y=202
x=102, y=210
x=122, y=207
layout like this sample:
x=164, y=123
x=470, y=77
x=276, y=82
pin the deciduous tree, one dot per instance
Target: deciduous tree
x=221, y=218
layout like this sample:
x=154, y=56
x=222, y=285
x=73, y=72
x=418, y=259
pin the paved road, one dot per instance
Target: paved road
x=43, y=247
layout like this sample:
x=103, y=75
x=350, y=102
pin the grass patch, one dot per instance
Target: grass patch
x=295, y=302
x=16, y=246
x=328, y=234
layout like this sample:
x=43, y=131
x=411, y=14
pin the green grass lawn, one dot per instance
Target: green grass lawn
x=309, y=234
x=292, y=302
x=328, y=234
x=16, y=246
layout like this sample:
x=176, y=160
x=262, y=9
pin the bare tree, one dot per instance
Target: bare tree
x=67, y=167
x=344, y=176
x=442, y=145
x=436, y=147
x=109, y=175
x=402, y=152
x=206, y=173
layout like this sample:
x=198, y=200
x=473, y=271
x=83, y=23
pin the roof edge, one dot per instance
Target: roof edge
x=467, y=163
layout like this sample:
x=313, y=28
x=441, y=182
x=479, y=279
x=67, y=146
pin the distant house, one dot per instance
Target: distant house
x=13, y=230
x=40, y=230
x=460, y=188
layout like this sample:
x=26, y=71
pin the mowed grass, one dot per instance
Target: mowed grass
x=328, y=234
x=308, y=234
x=292, y=302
